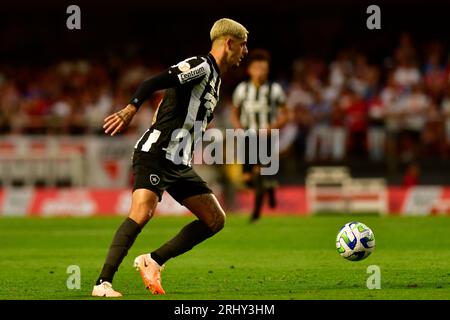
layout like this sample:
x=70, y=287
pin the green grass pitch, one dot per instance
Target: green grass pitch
x=277, y=258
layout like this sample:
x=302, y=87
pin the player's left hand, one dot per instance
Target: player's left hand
x=120, y=120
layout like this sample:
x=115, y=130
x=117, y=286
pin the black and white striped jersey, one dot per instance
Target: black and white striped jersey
x=258, y=107
x=190, y=101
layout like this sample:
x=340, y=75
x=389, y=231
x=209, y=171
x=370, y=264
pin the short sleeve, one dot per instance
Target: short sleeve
x=278, y=94
x=190, y=70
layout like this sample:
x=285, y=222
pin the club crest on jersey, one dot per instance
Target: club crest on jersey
x=154, y=179
x=184, y=66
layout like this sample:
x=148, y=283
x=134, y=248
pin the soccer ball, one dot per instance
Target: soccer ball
x=355, y=241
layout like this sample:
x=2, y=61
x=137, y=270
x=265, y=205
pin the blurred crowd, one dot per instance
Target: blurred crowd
x=350, y=107
x=347, y=107
x=70, y=97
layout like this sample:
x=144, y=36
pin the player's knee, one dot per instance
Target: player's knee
x=142, y=209
x=140, y=216
x=218, y=222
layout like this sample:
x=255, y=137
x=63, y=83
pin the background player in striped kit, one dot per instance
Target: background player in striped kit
x=259, y=104
x=193, y=89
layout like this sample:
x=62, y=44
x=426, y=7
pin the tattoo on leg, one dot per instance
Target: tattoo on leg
x=218, y=216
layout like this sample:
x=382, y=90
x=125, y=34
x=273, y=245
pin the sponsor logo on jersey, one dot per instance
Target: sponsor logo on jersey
x=184, y=77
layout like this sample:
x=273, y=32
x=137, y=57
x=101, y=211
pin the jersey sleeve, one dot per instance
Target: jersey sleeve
x=278, y=95
x=239, y=95
x=191, y=70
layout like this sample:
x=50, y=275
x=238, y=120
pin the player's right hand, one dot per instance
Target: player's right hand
x=120, y=120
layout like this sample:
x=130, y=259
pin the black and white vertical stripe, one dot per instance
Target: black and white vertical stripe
x=183, y=106
x=258, y=105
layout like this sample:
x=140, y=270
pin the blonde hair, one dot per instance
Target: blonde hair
x=228, y=27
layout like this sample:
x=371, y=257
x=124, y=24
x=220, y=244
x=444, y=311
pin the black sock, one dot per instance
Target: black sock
x=272, y=199
x=191, y=235
x=122, y=241
x=259, y=196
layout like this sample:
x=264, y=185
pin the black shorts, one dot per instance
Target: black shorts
x=158, y=174
x=247, y=166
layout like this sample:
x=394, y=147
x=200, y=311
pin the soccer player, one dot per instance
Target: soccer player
x=192, y=93
x=259, y=104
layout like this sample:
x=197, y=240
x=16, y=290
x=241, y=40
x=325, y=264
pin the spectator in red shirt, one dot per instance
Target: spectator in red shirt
x=355, y=121
x=411, y=177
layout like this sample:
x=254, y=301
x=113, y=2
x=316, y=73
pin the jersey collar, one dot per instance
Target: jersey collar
x=213, y=61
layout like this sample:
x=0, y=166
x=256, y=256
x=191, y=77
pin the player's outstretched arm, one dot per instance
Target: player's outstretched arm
x=179, y=74
x=119, y=120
